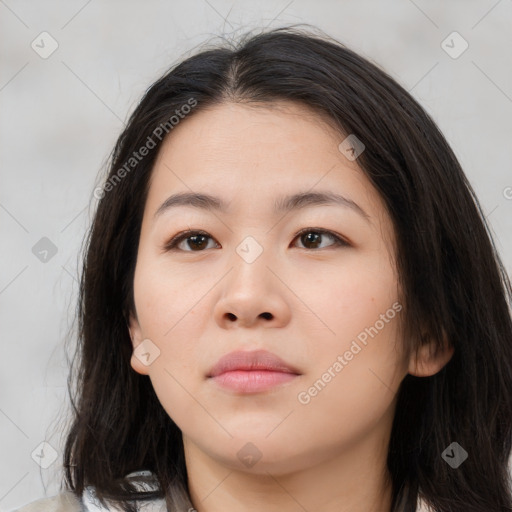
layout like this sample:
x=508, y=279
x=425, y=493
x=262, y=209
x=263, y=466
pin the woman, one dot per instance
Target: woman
x=290, y=300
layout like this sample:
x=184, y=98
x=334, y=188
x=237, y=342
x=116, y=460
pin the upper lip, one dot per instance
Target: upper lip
x=254, y=360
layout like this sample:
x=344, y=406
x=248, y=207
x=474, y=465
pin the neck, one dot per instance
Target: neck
x=354, y=480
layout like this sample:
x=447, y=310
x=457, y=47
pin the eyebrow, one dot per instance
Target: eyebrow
x=281, y=205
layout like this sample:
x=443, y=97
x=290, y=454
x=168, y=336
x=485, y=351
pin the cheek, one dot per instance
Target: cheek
x=357, y=363
x=170, y=313
x=165, y=297
x=350, y=299
x=351, y=386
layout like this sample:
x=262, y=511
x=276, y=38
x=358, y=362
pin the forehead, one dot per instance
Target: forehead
x=238, y=135
x=250, y=156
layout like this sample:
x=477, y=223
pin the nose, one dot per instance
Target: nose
x=253, y=294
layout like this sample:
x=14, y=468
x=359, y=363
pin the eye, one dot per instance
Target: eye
x=196, y=239
x=314, y=236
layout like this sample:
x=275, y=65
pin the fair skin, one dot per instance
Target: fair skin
x=302, y=298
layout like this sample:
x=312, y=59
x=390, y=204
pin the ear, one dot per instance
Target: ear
x=136, y=336
x=430, y=359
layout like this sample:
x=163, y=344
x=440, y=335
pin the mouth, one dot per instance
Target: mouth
x=251, y=372
x=252, y=381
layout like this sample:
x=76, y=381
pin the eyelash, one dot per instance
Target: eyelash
x=172, y=244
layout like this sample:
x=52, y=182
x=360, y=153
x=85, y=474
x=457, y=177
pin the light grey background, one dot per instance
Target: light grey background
x=61, y=115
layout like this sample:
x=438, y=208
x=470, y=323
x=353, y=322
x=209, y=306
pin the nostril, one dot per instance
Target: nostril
x=268, y=316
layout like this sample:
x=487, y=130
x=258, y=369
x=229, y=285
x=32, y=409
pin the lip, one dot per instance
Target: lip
x=251, y=372
x=251, y=361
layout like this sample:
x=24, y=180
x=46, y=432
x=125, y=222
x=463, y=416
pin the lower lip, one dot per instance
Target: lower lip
x=252, y=381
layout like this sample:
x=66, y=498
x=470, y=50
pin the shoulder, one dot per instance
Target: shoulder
x=67, y=501
x=62, y=502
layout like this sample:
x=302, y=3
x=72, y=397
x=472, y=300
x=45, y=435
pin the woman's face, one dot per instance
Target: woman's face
x=327, y=307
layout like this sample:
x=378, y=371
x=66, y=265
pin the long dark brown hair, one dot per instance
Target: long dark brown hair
x=453, y=282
